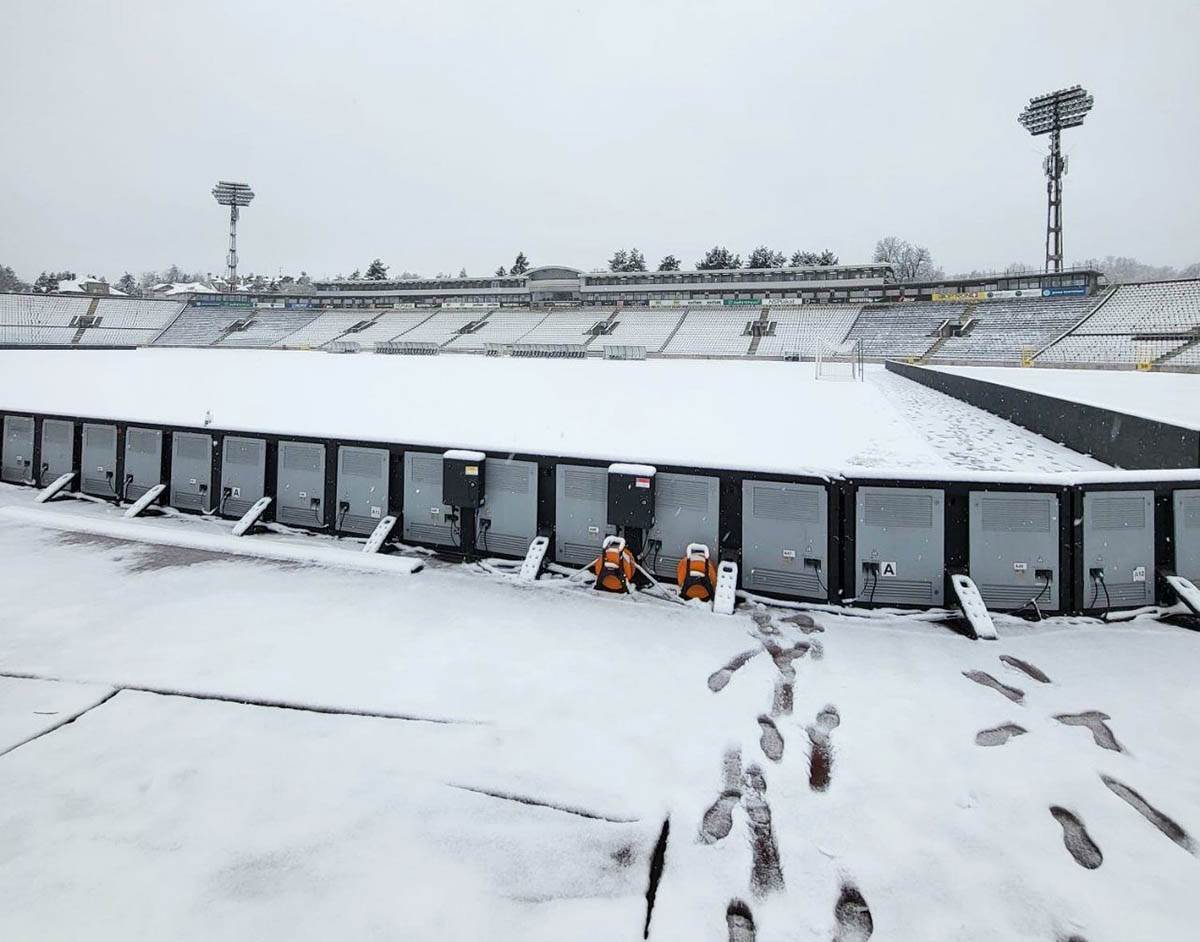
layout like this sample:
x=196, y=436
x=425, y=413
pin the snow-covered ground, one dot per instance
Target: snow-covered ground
x=303, y=752
x=967, y=437
x=1167, y=397
x=715, y=414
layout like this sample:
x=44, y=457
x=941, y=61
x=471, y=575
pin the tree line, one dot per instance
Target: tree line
x=909, y=261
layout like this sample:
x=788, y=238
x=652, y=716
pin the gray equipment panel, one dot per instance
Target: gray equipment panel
x=426, y=518
x=1118, y=537
x=784, y=526
x=362, y=483
x=687, y=509
x=58, y=449
x=99, y=460
x=143, y=461
x=1187, y=535
x=243, y=474
x=580, y=513
x=1012, y=536
x=300, y=484
x=902, y=530
x=191, y=471
x=16, y=462
x=510, y=504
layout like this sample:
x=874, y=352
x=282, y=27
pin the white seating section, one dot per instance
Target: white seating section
x=53, y=320
x=1155, y=324
x=797, y=329
x=713, y=331
x=1004, y=331
x=327, y=326
x=900, y=331
x=566, y=327
x=1136, y=325
x=500, y=326
x=268, y=327
x=643, y=327
x=201, y=326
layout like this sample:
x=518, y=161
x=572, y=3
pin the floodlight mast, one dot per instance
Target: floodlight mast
x=232, y=195
x=1052, y=114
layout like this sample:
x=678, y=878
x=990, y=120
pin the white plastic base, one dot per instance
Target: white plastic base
x=531, y=568
x=54, y=487
x=250, y=517
x=1188, y=594
x=973, y=607
x=725, y=597
x=145, y=500
x=379, y=534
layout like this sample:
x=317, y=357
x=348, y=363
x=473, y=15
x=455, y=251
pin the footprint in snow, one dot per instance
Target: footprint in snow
x=719, y=678
x=740, y=922
x=718, y=819
x=771, y=740
x=1025, y=668
x=999, y=735
x=852, y=915
x=1076, y=839
x=987, y=680
x=1102, y=735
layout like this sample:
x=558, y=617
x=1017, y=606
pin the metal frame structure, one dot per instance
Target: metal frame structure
x=232, y=195
x=1051, y=114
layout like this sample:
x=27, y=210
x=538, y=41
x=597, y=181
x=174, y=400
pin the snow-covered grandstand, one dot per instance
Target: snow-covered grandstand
x=1149, y=326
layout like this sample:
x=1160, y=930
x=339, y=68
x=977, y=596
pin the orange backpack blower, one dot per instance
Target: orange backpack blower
x=615, y=565
x=696, y=573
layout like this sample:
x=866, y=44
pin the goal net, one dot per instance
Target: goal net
x=839, y=361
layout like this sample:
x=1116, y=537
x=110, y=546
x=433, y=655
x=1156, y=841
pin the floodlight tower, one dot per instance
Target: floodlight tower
x=1051, y=114
x=232, y=195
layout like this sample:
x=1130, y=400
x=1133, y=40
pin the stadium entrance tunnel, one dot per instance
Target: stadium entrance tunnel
x=1092, y=542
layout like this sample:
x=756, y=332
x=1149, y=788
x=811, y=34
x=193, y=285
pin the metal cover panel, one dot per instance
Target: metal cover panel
x=686, y=510
x=58, y=449
x=782, y=526
x=143, y=460
x=191, y=470
x=1118, y=537
x=580, y=513
x=363, y=486
x=1187, y=534
x=300, y=484
x=16, y=462
x=243, y=474
x=425, y=516
x=904, y=526
x=99, y=460
x=510, y=503
x=1011, y=537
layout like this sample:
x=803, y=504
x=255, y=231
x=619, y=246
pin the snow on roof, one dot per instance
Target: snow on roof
x=76, y=286
x=186, y=287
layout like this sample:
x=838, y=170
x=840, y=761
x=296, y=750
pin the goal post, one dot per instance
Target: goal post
x=839, y=361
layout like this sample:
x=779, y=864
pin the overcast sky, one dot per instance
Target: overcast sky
x=442, y=135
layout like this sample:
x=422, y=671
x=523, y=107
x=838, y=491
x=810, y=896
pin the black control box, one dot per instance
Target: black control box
x=462, y=478
x=631, y=496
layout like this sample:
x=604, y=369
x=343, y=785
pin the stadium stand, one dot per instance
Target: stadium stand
x=325, y=327
x=1136, y=325
x=201, y=326
x=1006, y=331
x=500, y=326
x=385, y=326
x=136, y=314
x=713, y=332
x=267, y=328
x=442, y=327
x=900, y=331
x=572, y=327
x=797, y=329
x=644, y=327
x=1151, y=326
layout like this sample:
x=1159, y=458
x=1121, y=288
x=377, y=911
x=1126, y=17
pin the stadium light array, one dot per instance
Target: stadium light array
x=232, y=195
x=1051, y=114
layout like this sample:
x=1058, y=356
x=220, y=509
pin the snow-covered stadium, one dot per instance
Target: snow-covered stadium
x=876, y=559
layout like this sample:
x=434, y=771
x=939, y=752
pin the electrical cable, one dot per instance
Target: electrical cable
x=1034, y=601
x=817, y=571
x=874, y=583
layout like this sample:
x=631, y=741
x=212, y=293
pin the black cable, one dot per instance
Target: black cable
x=1034, y=601
x=817, y=571
x=484, y=526
x=874, y=583
x=345, y=509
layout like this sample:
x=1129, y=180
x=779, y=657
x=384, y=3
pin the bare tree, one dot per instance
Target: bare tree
x=909, y=262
